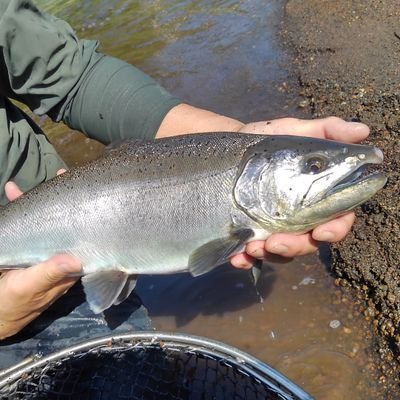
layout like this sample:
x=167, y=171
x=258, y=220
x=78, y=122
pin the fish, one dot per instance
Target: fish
x=182, y=204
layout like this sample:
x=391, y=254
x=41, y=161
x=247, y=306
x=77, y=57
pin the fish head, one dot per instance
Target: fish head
x=292, y=183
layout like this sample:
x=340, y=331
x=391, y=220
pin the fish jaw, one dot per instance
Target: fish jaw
x=339, y=202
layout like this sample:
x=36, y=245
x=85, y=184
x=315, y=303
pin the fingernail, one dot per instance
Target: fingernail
x=359, y=126
x=326, y=236
x=279, y=248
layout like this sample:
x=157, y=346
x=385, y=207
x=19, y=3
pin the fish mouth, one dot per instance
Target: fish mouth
x=362, y=174
x=359, y=176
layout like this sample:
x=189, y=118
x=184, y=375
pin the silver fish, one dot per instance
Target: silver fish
x=186, y=203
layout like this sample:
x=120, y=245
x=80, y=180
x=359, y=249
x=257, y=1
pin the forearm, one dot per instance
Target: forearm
x=184, y=119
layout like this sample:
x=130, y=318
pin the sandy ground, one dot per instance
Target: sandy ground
x=347, y=59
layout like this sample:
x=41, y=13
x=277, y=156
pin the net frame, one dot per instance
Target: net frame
x=189, y=344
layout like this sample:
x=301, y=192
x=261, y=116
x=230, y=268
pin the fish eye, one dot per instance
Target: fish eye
x=315, y=165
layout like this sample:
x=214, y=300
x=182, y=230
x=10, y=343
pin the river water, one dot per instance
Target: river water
x=226, y=56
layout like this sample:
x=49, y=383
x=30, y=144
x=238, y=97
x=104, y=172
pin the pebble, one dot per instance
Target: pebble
x=307, y=281
x=334, y=324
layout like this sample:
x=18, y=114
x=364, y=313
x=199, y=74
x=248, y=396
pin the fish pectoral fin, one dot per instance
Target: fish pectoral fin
x=217, y=252
x=256, y=271
x=105, y=288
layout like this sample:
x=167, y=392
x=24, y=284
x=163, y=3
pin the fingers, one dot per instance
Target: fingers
x=256, y=251
x=47, y=280
x=289, y=245
x=337, y=129
x=46, y=275
x=330, y=128
x=242, y=261
x=335, y=230
x=27, y=293
x=12, y=191
x=286, y=246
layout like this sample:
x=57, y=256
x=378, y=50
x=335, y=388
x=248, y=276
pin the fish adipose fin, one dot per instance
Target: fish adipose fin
x=106, y=288
x=217, y=252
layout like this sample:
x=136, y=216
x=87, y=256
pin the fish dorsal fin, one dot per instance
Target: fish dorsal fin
x=103, y=288
x=217, y=252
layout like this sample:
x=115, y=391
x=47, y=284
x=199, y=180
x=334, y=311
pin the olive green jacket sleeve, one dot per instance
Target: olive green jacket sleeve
x=45, y=66
x=42, y=60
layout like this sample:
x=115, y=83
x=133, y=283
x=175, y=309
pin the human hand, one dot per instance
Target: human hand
x=291, y=245
x=26, y=293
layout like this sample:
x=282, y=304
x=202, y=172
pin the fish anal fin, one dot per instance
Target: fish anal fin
x=217, y=252
x=104, y=288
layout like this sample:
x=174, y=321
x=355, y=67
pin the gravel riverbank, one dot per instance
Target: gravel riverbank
x=347, y=59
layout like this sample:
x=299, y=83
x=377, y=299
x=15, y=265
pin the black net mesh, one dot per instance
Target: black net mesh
x=139, y=372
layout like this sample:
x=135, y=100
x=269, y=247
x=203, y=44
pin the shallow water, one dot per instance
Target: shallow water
x=295, y=320
x=226, y=56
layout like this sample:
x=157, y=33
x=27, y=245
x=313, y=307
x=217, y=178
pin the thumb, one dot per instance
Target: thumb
x=58, y=269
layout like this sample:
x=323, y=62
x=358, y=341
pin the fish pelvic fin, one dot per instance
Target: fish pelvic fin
x=126, y=290
x=217, y=252
x=106, y=288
